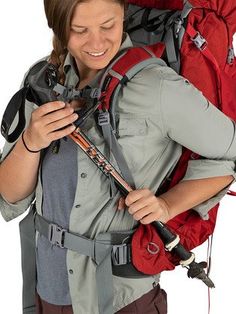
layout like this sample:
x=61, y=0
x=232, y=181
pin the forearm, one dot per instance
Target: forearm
x=18, y=173
x=187, y=194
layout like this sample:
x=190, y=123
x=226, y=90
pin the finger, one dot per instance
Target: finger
x=121, y=203
x=142, y=202
x=148, y=219
x=159, y=215
x=57, y=115
x=57, y=125
x=140, y=214
x=135, y=195
x=56, y=135
x=48, y=107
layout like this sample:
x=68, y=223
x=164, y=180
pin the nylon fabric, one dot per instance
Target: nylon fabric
x=209, y=69
x=164, y=4
x=148, y=251
x=27, y=236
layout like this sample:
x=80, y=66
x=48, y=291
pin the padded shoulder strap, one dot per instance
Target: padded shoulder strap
x=118, y=73
x=124, y=68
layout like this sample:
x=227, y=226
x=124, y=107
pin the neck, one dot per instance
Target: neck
x=85, y=80
x=86, y=74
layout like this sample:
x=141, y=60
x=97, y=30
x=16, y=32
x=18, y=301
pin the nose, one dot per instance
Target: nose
x=97, y=40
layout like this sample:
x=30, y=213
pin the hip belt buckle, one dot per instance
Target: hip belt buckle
x=56, y=235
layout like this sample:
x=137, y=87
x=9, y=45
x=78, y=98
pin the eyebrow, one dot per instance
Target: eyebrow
x=81, y=26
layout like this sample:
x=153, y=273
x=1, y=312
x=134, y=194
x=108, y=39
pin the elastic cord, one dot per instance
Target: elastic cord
x=26, y=147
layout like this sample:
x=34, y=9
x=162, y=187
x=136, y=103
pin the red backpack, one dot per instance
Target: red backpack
x=198, y=37
x=198, y=40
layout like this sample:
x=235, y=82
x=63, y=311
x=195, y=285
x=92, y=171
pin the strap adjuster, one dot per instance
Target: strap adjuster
x=121, y=254
x=178, y=24
x=95, y=93
x=56, y=235
x=103, y=118
x=199, y=41
x=231, y=56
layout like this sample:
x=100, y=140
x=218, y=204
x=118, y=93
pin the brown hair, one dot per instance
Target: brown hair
x=59, y=14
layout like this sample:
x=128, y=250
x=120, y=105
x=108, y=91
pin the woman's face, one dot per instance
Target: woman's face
x=96, y=33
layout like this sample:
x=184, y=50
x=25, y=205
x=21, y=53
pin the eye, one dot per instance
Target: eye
x=80, y=31
x=107, y=27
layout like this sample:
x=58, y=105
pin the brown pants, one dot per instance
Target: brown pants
x=153, y=302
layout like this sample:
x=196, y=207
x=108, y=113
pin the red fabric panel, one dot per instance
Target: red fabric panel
x=194, y=231
x=143, y=260
x=224, y=8
x=160, y=4
x=228, y=87
x=194, y=65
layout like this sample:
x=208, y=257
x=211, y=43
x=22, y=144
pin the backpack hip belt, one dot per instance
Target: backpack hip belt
x=111, y=253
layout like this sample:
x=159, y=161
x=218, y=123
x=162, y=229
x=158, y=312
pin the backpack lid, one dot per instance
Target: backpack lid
x=159, y=4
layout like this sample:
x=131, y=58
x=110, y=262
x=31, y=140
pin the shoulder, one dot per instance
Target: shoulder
x=45, y=58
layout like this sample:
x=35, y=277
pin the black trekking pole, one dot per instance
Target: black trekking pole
x=170, y=239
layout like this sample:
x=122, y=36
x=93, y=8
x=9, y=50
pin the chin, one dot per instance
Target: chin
x=99, y=65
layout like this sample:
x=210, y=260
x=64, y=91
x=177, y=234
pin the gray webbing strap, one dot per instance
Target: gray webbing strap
x=185, y=12
x=175, y=29
x=104, y=281
x=27, y=238
x=98, y=251
x=172, y=57
x=109, y=128
x=116, y=151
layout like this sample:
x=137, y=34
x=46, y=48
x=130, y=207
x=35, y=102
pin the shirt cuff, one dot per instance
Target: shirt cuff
x=10, y=211
x=206, y=168
x=203, y=208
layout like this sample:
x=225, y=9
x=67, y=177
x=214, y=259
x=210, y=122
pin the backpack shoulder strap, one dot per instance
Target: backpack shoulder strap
x=124, y=69
x=115, y=77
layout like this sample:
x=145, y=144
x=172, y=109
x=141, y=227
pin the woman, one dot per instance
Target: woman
x=71, y=192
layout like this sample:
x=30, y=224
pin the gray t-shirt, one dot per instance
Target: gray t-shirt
x=59, y=179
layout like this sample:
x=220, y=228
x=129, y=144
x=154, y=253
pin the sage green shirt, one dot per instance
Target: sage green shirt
x=159, y=112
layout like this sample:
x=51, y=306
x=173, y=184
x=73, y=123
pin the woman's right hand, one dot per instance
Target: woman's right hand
x=48, y=123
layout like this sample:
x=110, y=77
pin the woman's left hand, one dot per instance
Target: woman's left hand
x=145, y=207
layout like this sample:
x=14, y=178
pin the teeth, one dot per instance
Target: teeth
x=96, y=54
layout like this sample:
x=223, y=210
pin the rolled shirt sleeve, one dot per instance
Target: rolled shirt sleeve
x=199, y=169
x=10, y=211
x=191, y=120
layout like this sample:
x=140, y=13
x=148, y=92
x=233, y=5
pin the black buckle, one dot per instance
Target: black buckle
x=56, y=235
x=121, y=254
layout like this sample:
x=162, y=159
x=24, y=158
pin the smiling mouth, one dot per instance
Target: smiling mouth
x=96, y=54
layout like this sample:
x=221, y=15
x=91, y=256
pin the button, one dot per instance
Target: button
x=187, y=82
x=83, y=175
x=71, y=271
x=77, y=206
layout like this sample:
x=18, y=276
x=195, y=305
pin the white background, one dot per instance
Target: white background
x=26, y=38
